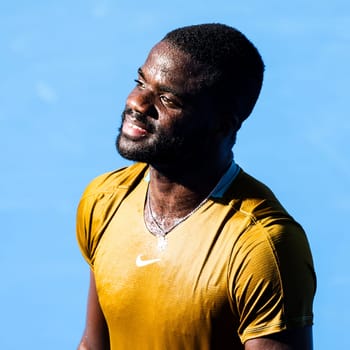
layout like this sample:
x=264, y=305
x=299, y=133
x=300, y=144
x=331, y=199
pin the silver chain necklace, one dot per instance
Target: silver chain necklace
x=158, y=229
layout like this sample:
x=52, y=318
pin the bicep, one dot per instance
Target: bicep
x=96, y=332
x=295, y=339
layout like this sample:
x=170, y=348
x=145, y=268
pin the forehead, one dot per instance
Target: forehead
x=166, y=64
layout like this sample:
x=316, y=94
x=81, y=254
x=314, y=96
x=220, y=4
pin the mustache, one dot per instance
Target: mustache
x=140, y=117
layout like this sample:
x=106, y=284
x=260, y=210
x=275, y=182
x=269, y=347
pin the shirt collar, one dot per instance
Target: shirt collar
x=225, y=181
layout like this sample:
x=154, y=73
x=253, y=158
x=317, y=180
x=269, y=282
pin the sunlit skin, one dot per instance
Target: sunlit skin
x=167, y=93
x=167, y=103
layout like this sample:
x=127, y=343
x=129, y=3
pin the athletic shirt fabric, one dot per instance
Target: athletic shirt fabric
x=238, y=268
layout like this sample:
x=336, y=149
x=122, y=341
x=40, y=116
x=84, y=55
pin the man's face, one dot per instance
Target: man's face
x=167, y=119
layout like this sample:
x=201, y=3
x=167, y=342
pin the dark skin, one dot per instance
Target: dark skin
x=167, y=93
x=96, y=335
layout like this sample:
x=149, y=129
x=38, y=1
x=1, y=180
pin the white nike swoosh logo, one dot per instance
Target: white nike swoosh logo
x=141, y=263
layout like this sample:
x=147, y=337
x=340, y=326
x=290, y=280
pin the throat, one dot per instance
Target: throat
x=160, y=223
x=169, y=202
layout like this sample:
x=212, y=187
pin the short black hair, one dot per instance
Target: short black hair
x=235, y=68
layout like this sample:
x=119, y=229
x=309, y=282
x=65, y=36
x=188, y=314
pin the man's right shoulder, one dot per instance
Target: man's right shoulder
x=100, y=201
x=121, y=179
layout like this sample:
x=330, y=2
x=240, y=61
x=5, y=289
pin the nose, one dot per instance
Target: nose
x=141, y=101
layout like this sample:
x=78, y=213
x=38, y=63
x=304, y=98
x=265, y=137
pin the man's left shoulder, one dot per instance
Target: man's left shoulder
x=254, y=198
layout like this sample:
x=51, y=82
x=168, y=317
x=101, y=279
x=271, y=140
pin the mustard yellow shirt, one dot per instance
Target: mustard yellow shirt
x=238, y=268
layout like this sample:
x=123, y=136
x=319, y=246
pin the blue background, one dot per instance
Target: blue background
x=66, y=69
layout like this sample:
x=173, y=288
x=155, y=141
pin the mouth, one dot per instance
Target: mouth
x=134, y=129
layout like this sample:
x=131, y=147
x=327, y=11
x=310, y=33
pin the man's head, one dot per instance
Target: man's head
x=233, y=67
x=192, y=94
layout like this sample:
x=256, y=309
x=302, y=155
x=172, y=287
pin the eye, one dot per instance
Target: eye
x=170, y=103
x=139, y=83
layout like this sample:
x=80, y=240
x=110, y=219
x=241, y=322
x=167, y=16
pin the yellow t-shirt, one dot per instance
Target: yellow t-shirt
x=238, y=268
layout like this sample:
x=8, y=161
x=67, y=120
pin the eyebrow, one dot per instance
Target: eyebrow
x=140, y=73
x=162, y=88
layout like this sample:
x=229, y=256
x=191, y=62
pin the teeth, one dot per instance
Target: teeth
x=135, y=126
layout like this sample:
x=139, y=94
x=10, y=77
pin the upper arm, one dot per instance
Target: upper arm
x=95, y=335
x=295, y=339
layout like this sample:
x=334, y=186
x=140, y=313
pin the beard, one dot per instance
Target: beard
x=163, y=147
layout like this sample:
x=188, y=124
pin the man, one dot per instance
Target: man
x=186, y=250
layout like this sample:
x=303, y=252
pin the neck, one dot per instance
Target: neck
x=175, y=193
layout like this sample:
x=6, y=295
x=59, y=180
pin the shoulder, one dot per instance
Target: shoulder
x=256, y=201
x=100, y=201
x=123, y=178
x=250, y=190
x=268, y=225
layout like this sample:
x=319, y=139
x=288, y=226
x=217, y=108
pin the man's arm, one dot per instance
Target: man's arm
x=95, y=335
x=296, y=339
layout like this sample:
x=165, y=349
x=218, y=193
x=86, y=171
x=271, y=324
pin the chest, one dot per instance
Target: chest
x=177, y=286
x=132, y=265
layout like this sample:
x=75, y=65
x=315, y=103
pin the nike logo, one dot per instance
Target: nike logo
x=141, y=263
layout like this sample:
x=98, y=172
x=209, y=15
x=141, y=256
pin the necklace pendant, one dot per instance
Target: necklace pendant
x=162, y=242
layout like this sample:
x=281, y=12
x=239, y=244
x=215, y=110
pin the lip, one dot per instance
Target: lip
x=134, y=129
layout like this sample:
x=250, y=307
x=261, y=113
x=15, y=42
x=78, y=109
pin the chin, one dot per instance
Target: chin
x=131, y=150
x=165, y=151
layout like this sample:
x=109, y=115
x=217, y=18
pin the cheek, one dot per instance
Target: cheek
x=170, y=119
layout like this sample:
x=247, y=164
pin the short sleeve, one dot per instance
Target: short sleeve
x=92, y=217
x=83, y=230
x=272, y=278
x=99, y=202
